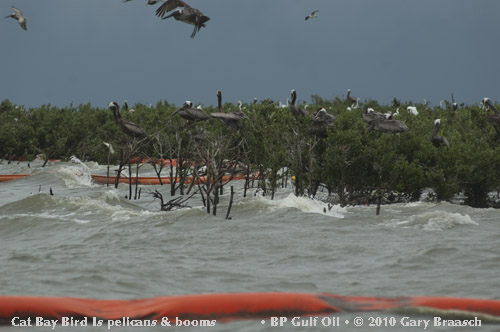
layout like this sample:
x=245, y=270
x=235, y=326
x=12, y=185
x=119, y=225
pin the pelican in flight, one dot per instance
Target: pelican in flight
x=17, y=15
x=322, y=121
x=186, y=111
x=128, y=127
x=312, y=15
x=296, y=111
x=187, y=15
x=232, y=120
x=438, y=140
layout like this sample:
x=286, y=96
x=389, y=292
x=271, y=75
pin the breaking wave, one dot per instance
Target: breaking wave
x=432, y=221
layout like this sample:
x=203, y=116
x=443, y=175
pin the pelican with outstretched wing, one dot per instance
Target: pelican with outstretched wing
x=187, y=15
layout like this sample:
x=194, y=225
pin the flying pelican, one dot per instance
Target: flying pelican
x=186, y=111
x=19, y=17
x=438, y=140
x=187, y=15
x=295, y=110
x=322, y=121
x=232, y=120
x=454, y=105
x=312, y=15
x=126, y=126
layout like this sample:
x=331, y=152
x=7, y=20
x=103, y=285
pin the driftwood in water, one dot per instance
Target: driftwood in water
x=173, y=204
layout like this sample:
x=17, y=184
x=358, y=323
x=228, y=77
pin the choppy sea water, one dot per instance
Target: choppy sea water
x=88, y=240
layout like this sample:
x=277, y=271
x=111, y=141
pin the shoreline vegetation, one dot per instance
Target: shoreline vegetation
x=351, y=163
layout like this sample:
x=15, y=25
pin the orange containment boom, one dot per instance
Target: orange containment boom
x=223, y=307
x=10, y=177
x=153, y=180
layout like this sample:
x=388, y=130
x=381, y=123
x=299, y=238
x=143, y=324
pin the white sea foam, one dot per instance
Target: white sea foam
x=307, y=205
x=432, y=221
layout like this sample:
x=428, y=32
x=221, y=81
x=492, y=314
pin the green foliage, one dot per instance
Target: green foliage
x=351, y=162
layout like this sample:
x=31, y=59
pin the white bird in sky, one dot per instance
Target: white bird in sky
x=312, y=15
x=19, y=17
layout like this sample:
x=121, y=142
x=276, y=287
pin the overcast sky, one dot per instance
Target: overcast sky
x=80, y=51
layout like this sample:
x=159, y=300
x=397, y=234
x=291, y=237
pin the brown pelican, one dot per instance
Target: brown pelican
x=387, y=125
x=454, y=106
x=129, y=128
x=371, y=115
x=232, y=120
x=438, y=140
x=186, y=111
x=125, y=106
x=19, y=17
x=187, y=15
x=312, y=15
x=295, y=110
x=488, y=105
x=351, y=98
x=322, y=121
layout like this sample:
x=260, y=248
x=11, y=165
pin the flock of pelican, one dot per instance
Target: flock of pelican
x=187, y=14
x=322, y=121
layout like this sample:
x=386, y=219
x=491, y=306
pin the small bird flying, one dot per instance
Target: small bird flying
x=19, y=17
x=312, y=15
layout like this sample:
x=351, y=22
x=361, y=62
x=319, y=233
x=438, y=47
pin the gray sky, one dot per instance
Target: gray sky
x=79, y=51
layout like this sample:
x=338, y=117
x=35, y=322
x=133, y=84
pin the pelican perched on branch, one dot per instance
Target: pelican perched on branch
x=296, y=111
x=371, y=115
x=18, y=15
x=186, y=111
x=454, y=106
x=352, y=99
x=128, y=127
x=322, y=121
x=232, y=120
x=386, y=125
x=488, y=105
x=436, y=140
x=187, y=15
x=412, y=110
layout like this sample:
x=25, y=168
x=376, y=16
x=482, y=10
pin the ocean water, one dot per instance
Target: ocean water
x=89, y=240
